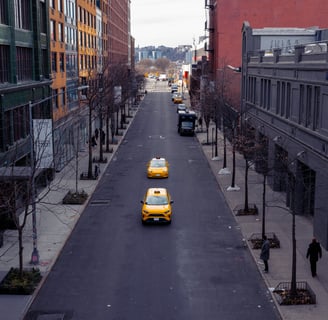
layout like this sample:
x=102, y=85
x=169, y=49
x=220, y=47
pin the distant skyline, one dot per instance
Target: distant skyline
x=167, y=22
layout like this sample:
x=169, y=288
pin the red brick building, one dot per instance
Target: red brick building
x=119, y=37
x=225, y=20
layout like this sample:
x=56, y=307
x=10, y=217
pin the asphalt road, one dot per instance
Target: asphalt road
x=113, y=267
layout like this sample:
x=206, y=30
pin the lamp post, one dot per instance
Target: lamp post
x=35, y=252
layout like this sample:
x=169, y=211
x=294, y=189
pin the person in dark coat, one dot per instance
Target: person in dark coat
x=93, y=141
x=314, y=252
x=96, y=133
x=265, y=253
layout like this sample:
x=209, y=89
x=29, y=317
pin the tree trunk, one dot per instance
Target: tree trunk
x=233, y=176
x=90, y=175
x=216, y=138
x=112, y=126
x=101, y=140
x=107, y=132
x=117, y=113
x=246, y=207
x=293, y=287
x=20, y=250
x=224, y=149
x=263, y=205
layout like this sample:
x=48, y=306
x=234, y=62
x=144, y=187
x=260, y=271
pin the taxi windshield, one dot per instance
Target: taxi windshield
x=157, y=163
x=156, y=200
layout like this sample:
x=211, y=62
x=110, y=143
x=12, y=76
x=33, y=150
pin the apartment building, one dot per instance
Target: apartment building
x=24, y=101
x=285, y=99
x=24, y=76
x=119, y=36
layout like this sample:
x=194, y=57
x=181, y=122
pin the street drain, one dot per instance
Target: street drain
x=100, y=202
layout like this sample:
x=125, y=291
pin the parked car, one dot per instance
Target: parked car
x=181, y=107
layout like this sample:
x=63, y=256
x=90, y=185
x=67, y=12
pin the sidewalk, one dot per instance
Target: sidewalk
x=278, y=221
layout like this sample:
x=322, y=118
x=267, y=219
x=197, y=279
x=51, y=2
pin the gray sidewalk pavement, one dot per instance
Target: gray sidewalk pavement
x=56, y=221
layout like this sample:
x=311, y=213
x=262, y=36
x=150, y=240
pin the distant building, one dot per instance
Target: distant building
x=156, y=54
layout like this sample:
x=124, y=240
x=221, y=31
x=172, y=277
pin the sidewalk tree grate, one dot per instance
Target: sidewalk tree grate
x=75, y=197
x=303, y=295
x=100, y=202
x=257, y=241
x=242, y=211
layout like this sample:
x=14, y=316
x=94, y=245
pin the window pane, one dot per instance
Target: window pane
x=24, y=65
x=4, y=64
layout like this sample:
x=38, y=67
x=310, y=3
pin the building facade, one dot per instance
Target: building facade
x=119, y=36
x=225, y=18
x=49, y=49
x=285, y=99
x=24, y=75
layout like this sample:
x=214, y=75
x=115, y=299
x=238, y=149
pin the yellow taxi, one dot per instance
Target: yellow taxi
x=177, y=99
x=156, y=206
x=158, y=168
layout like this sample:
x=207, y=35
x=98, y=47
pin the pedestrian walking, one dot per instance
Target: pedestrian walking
x=93, y=141
x=96, y=133
x=314, y=252
x=265, y=253
x=200, y=122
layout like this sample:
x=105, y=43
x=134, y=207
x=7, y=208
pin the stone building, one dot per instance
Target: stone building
x=285, y=99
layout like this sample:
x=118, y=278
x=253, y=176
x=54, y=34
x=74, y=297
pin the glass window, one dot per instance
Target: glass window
x=43, y=21
x=61, y=62
x=3, y=12
x=55, y=98
x=156, y=200
x=4, y=64
x=53, y=30
x=60, y=6
x=22, y=14
x=23, y=63
x=60, y=32
x=53, y=62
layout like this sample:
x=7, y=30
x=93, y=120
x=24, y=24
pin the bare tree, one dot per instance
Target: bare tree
x=19, y=184
x=162, y=64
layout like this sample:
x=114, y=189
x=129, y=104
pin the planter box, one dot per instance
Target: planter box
x=75, y=198
x=97, y=160
x=257, y=241
x=304, y=294
x=84, y=176
x=25, y=285
x=252, y=210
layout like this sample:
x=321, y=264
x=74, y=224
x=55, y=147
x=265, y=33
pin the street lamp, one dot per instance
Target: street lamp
x=35, y=252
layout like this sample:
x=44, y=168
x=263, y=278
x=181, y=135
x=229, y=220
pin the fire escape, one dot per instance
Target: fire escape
x=209, y=30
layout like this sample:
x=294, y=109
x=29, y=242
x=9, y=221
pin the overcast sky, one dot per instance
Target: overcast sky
x=167, y=22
